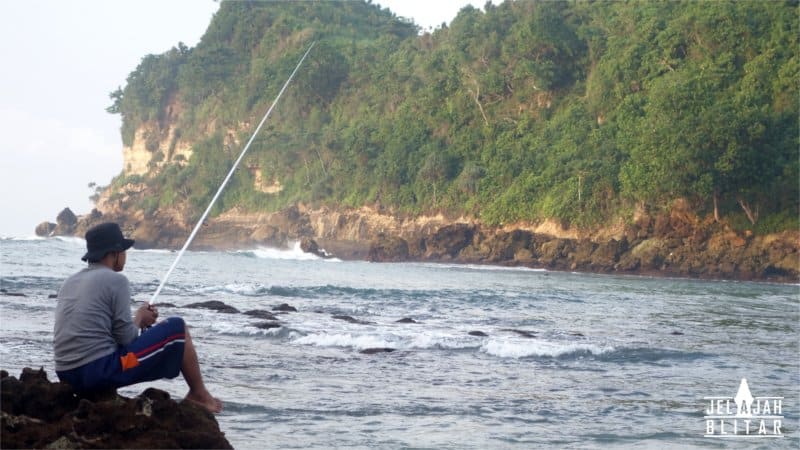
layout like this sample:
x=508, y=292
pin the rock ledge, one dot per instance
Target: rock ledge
x=39, y=414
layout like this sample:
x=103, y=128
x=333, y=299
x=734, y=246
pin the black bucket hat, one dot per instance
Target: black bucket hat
x=105, y=238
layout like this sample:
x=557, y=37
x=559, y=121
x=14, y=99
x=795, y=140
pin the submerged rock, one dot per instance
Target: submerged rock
x=216, y=305
x=309, y=245
x=372, y=351
x=267, y=325
x=166, y=305
x=12, y=294
x=478, y=334
x=284, y=307
x=406, y=320
x=39, y=414
x=523, y=333
x=261, y=314
x=351, y=320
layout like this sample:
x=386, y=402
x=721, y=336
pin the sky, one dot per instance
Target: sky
x=60, y=60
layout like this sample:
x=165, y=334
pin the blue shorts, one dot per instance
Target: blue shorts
x=157, y=353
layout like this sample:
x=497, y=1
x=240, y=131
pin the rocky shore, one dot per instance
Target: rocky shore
x=39, y=414
x=676, y=244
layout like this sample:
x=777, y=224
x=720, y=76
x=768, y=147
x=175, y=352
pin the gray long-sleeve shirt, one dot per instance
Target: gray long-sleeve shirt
x=93, y=316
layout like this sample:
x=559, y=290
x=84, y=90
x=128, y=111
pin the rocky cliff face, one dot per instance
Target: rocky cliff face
x=678, y=244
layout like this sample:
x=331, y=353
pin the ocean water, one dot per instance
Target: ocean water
x=568, y=360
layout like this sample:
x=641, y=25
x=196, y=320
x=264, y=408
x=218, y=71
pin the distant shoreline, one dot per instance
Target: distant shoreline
x=677, y=245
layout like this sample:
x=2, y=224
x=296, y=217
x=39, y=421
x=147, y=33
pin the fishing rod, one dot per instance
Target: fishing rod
x=227, y=178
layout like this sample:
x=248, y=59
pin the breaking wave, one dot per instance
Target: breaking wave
x=294, y=253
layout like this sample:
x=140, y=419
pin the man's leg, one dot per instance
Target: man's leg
x=191, y=373
x=164, y=351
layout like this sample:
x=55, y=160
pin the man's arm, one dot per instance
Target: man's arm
x=122, y=325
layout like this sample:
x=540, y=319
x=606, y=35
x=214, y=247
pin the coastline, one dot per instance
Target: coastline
x=677, y=245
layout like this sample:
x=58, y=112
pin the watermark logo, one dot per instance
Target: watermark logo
x=743, y=415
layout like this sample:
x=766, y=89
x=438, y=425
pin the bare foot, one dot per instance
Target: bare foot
x=205, y=400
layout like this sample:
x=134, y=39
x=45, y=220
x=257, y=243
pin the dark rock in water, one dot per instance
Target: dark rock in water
x=577, y=334
x=44, y=229
x=166, y=305
x=66, y=223
x=351, y=320
x=267, y=325
x=676, y=333
x=215, y=305
x=52, y=296
x=39, y=414
x=478, y=333
x=309, y=245
x=285, y=308
x=523, y=333
x=406, y=320
x=372, y=351
x=12, y=294
x=261, y=314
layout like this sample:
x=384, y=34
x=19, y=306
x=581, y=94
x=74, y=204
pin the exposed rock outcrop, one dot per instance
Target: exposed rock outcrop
x=388, y=248
x=284, y=307
x=45, y=229
x=674, y=244
x=215, y=305
x=309, y=245
x=39, y=414
x=66, y=223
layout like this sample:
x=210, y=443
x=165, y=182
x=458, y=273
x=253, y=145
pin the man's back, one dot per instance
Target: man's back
x=93, y=316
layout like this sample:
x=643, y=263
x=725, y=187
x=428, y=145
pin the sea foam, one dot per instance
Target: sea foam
x=347, y=340
x=292, y=253
x=505, y=348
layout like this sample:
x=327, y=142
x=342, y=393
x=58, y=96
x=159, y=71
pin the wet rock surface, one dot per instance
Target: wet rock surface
x=39, y=414
x=215, y=305
x=11, y=294
x=373, y=351
x=284, y=307
x=261, y=314
x=523, y=333
x=351, y=320
x=309, y=245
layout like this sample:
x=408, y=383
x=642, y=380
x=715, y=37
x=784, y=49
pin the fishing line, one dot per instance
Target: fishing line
x=225, y=182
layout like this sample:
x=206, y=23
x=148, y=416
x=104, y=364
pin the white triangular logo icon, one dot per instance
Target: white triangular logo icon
x=744, y=400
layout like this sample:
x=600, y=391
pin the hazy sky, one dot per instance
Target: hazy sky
x=60, y=59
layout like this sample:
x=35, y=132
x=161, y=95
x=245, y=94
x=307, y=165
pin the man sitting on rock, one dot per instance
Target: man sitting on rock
x=96, y=341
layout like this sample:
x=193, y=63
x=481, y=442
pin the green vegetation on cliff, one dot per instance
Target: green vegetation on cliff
x=526, y=110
